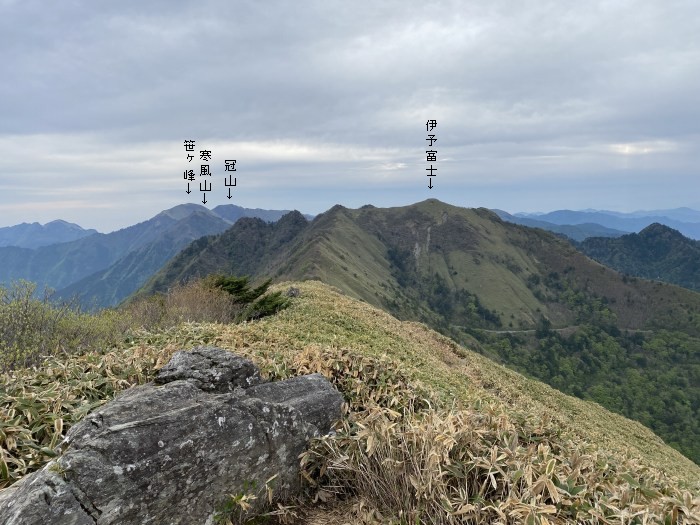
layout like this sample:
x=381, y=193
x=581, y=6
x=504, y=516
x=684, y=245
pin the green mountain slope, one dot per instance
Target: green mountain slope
x=327, y=317
x=657, y=252
x=485, y=282
x=248, y=248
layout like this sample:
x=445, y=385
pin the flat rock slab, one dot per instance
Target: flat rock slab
x=170, y=452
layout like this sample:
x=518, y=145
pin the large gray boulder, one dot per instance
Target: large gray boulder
x=170, y=452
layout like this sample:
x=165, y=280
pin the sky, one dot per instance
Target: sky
x=540, y=105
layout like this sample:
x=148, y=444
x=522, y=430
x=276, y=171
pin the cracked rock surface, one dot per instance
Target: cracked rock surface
x=169, y=452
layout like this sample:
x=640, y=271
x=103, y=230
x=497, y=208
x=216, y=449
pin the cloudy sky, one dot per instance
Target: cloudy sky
x=540, y=105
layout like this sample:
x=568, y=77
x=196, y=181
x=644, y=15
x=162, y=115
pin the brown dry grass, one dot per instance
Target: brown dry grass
x=196, y=301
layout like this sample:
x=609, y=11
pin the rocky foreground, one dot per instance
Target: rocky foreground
x=174, y=450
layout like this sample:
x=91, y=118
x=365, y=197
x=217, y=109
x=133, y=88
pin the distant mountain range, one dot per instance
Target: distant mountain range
x=657, y=252
x=679, y=214
x=684, y=220
x=232, y=213
x=105, y=268
x=577, y=232
x=34, y=235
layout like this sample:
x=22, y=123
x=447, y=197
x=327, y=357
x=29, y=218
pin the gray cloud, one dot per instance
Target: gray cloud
x=548, y=95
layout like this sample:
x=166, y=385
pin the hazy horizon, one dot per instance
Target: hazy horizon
x=540, y=106
x=512, y=212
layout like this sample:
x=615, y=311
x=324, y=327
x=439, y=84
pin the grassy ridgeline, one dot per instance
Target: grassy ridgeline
x=435, y=433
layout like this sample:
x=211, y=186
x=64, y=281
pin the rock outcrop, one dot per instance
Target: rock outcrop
x=172, y=451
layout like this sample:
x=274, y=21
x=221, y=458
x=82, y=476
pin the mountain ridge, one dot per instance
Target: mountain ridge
x=108, y=287
x=34, y=235
x=468, y=273
x=105, y=268
x=426, y=231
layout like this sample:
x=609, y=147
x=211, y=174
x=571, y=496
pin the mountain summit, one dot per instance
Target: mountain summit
x=657, y=252
x=105, y=268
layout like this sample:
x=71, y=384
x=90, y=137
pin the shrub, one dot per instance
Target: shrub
x=215, y=299
x=33, y=327
x=255, y=304
x=196, y=301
